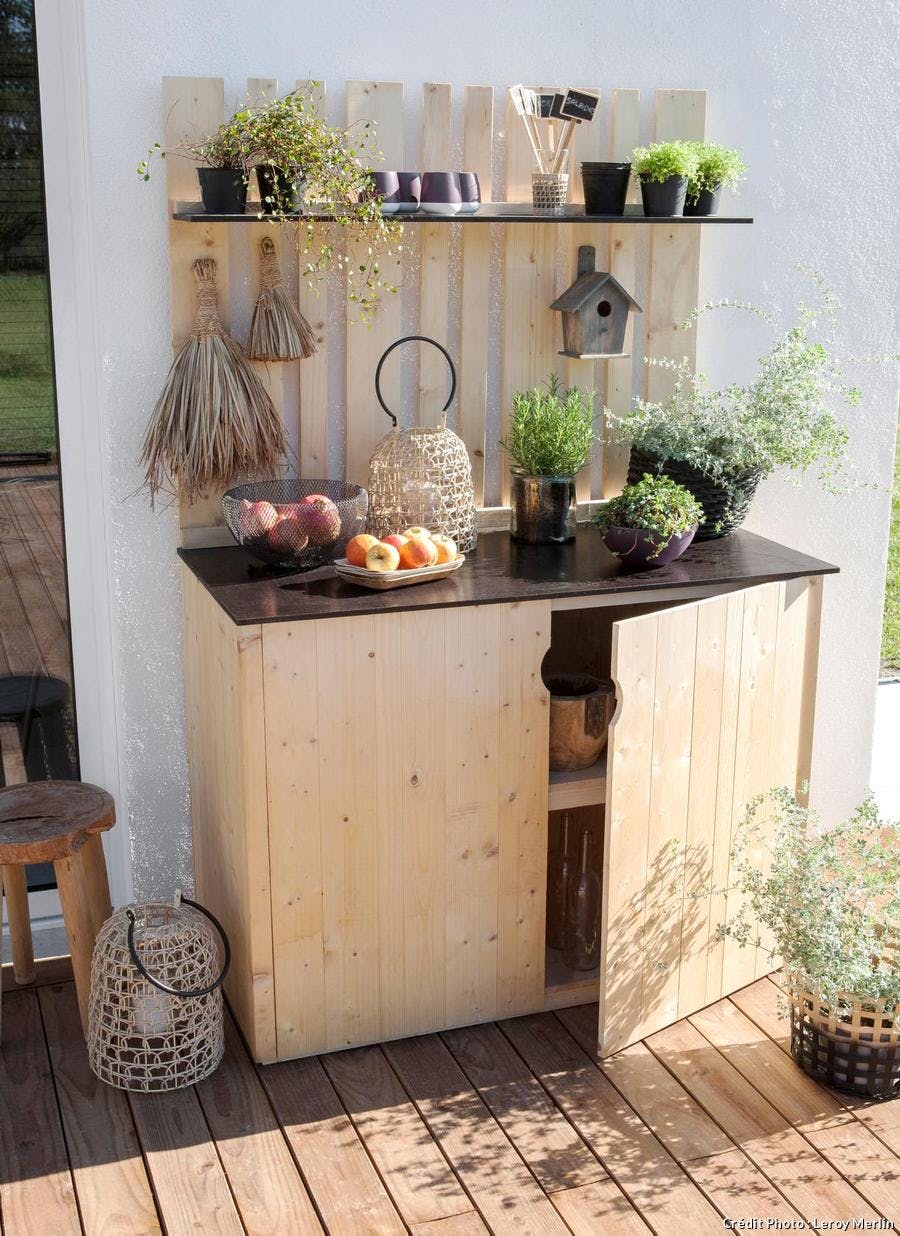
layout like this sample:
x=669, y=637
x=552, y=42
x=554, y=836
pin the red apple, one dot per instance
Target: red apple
x=396, y=540
x=382, y=558
x=358, y=547
x=419, y=551
x=257, y=518
x=320, y=519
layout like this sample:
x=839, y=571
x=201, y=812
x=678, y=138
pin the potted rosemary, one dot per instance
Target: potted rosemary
x=830, y=904
x=721, y=443
x=549, y=440
x=663, y=171
x=650, y=523
x=717, y=168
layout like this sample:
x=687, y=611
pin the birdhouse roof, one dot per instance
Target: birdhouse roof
x=589, y=286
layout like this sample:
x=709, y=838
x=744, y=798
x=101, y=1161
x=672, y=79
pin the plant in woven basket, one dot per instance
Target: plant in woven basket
x=662, y=160
x=656, y=505
x=829, y=900
x=550, y=430
x=716, y=167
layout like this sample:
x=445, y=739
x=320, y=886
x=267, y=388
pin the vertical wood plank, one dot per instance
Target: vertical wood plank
x=478, y=135
x=674, y=252
x=292, y=760
x=437, y=103
x=625, y=134
x=192, y=108
x=816, y=585
x=529, y=326
x=313, y=304
x=262, y=90
x=524, y=742
x=472, y=731
x=382, y=104
x=347, y=760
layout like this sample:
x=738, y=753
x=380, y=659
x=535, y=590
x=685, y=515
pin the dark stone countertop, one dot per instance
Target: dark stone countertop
x=498, y=570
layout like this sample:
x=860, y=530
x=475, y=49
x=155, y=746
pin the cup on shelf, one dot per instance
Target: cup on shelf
x=410, y=192
x=385, y=185
x=441, y=193
x=470, y=192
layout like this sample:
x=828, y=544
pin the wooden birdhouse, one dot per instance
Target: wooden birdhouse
x=594, y=312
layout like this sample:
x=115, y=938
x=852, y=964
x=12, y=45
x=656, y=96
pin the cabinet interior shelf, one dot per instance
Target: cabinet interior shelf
x=585, y=787
x=564, y=987
x=490, y=212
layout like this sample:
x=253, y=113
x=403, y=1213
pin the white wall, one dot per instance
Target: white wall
x=805, y=89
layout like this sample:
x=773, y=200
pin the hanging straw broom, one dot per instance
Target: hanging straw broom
x=214, y=418
x=279, y=331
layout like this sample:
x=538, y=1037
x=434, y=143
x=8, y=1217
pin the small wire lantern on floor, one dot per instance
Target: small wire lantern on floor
x=155, y=1014
x=422, y=476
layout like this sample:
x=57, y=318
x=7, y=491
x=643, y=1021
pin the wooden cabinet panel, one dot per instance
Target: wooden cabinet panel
x=714, y=709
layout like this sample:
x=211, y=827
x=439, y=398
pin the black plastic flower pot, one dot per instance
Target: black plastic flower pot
x=223, y=190
x=663, y=198
x=707, y=203
x=605, y=187
x=280, y=192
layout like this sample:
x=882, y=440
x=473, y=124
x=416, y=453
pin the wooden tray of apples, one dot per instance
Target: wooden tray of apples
x=413, y=556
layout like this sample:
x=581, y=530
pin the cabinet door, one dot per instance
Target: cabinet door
x=715, y=706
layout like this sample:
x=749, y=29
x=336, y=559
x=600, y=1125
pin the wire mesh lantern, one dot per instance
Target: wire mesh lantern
x=422, y=476
x=155, y=1014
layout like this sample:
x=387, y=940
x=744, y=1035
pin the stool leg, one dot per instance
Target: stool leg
x=79, y=919
x=96, y=882
x=19, y=923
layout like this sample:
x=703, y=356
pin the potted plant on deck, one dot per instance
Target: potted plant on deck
x=664, y=170
x=650, y=523
x=549, y=440
x=721, y=443
x=716, y=168
x=830, y=905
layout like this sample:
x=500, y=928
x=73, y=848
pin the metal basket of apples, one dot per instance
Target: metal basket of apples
x=293, y=523
x=408, y=557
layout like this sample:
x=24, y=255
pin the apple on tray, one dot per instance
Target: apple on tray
x=382, y=558
x=358, y=547
x=396, y=539
x=416, y=532
x=418, y=551
x=446, y=548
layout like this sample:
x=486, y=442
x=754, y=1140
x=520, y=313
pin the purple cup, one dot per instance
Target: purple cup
x=385, y=185
x=440, y=193
x=410, y=191
x=470, y=192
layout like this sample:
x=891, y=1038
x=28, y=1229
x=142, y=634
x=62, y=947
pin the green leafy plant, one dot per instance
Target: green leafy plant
x=782, y=419
x=655, y=504
x=715, y=165
x=227, y=147
x=830, y=900
x=664, y=159
x=550, y=430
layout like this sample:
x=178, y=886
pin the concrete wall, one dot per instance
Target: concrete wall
x=807, y=90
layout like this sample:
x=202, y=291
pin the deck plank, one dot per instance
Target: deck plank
x=407, y=1157
x=268, y=1190
x=339, y=1174
x=110, y=1178
x=37, y=1194
x=501, y=1186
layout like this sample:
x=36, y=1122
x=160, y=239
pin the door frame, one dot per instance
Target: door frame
x=70, y=242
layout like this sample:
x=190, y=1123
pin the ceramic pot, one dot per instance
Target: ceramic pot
x=543, y=509
x=223, y=190
x=706, y=204
x=663, y=198
x=470, y=192
x=280, y=192
x=605, y=187
x=636, y=547
x=410, y=193
x=441, y=193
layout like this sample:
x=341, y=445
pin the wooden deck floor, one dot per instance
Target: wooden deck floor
x=509, y=1127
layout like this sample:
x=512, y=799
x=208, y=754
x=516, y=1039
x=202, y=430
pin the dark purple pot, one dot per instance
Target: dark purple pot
x=637, y=548
x=385, y=185
x=470, y=192
x=410, y=191
x=440, y=193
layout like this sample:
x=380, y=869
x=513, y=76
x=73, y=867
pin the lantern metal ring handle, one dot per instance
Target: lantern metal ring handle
x=412, y=339
x=176, y=991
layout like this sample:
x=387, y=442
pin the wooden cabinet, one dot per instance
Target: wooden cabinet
x=370, y=803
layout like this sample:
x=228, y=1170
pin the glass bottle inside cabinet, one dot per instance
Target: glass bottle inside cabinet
x=582, y=947
x=561, y=869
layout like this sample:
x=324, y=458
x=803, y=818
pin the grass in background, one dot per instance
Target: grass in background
x=27, y=413
x=890, y=635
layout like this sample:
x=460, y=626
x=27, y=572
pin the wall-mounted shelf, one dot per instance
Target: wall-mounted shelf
x=586, y=787
x=490, y=212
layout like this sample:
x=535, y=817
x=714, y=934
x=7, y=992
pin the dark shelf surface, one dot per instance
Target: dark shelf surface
x=490, y=212
x=498, y=571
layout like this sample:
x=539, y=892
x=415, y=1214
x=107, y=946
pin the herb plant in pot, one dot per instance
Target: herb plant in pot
x=720, y=444
x=829, y=904
x=717, y=168
x=664, y=170
x=651, y=523
x=222, y=166
x=549, y=440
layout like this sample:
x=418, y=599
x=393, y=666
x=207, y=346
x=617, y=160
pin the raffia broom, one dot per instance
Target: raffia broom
x=279, y=331
x=214, y=418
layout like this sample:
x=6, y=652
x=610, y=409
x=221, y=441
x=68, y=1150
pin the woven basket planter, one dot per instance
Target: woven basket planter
x=725, y=504
x=854, y=1046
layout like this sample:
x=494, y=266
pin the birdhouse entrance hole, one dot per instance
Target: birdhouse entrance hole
x=604, y=308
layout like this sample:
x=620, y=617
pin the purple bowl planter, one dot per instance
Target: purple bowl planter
x=637, y=548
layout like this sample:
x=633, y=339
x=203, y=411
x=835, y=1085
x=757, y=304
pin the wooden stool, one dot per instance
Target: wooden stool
x=57, y=822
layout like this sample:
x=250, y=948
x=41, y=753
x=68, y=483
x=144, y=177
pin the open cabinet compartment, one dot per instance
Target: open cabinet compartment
x=715, y=702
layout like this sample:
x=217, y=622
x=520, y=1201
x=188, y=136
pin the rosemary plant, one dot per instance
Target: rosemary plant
x=550, y=430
